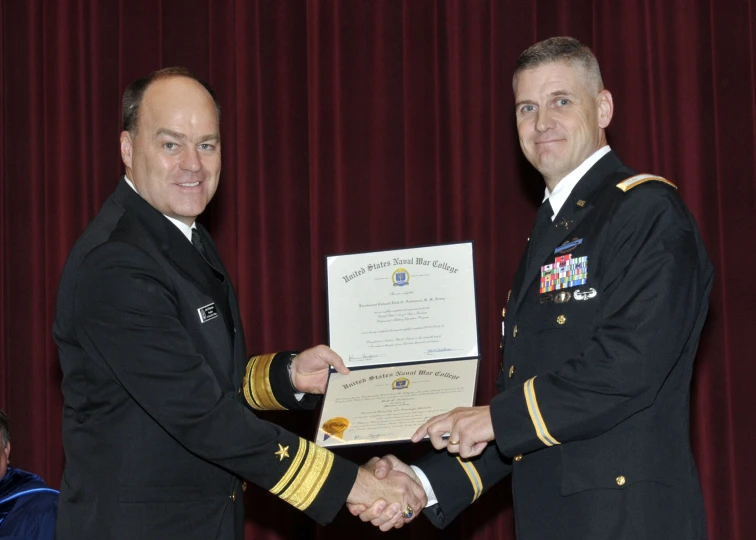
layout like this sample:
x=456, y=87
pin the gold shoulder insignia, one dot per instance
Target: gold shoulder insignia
x=257, y=389
x=630, y=183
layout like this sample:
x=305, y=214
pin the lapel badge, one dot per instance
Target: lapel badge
x=546, y=298
x=568, y=246
x=562, y=297
x=581, y=203
x=207, y=313
x=283, y=452
x=565, y=223
x=587, y=295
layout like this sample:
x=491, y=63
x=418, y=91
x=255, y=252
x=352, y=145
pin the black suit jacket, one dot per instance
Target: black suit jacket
x=156, y=431
x=593, y=411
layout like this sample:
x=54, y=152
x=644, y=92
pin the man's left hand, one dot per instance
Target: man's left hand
x=309, y=369
x=469, y=428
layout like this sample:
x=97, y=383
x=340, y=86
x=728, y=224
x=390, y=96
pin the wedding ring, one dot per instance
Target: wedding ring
x=454, y=442
x=408, y=512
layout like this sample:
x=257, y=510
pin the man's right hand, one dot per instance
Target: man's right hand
x=381, y=514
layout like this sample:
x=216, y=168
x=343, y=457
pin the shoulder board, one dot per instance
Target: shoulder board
x=633, y=181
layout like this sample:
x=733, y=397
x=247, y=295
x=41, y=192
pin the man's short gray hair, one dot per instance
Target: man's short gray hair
x=566, y=50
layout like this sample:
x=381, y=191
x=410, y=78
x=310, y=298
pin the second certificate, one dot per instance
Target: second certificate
x=407, y=305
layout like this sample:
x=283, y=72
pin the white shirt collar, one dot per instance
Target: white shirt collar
x=185, y=229
x=568, y=183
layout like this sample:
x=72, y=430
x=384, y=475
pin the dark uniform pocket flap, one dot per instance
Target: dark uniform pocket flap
x=619, y=460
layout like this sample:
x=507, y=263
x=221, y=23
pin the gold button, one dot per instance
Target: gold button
x=518, y=457
x=244, y=486
x=501, y=347
x=620, y=480
x=511, y=372
x=233, y=496
x=503, y=312
x=514, y=332
x=561, y=319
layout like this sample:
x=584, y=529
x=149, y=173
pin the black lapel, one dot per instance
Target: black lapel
x=220, y=272
x=577, y=206
x=237, y=335
x=174, y=245
x=188, y=262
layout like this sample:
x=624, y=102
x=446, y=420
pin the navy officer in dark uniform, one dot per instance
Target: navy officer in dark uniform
x=159, y=391
x=602, y=326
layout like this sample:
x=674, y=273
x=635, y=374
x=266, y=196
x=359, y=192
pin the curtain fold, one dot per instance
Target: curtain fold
x=353, y=126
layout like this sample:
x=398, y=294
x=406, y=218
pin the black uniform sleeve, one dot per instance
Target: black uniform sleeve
x=457, y=482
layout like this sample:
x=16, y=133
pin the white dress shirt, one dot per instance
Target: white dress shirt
x=568, y=183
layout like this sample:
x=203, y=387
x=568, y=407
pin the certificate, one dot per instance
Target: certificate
x=406, y=305
x=389, y=403
x=405, y=323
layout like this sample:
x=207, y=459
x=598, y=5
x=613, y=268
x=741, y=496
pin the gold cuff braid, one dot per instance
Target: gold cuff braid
x=306, y=475
x=257, y=389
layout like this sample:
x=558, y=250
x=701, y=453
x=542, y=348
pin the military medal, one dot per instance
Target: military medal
x=563, y=273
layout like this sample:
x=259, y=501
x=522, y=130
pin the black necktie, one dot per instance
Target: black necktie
x=197, y=241
x=543, y=220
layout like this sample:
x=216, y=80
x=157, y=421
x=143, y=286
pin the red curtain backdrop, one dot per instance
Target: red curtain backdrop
x=361, y=125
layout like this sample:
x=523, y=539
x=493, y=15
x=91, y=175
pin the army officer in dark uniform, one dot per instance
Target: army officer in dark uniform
x=602, y=326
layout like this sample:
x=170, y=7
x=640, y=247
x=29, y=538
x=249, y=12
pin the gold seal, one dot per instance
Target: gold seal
x=400, y=384
x=335, y=427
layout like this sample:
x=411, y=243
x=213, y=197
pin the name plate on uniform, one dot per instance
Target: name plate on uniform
x=404, y=321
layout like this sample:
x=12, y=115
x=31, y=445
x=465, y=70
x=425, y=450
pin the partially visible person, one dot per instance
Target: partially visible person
x=27, y=504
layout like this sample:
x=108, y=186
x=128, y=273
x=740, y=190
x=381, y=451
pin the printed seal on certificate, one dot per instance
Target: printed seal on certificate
x=400, y=383
x=335, y=427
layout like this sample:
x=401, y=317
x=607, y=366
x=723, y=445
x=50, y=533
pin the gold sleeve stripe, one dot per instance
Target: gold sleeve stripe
x=535, y=414
x=630, y=183
x=257, y=389
x=245, y=384
x=293, y=468
x=472, y=474
x=309, y=480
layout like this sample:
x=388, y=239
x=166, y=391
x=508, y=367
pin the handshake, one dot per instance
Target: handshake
x=387, y=493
